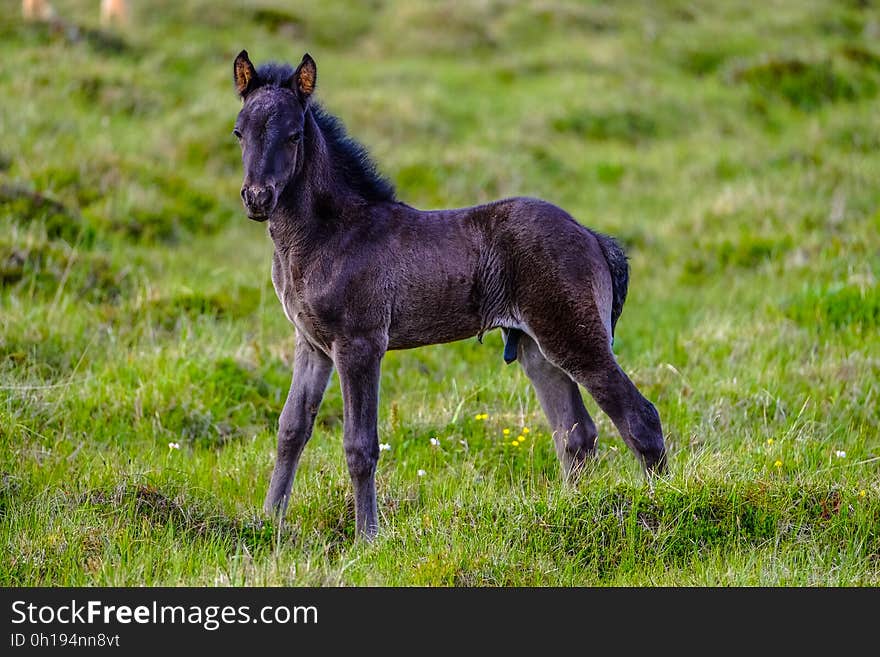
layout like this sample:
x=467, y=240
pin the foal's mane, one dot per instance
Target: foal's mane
x=349, y=156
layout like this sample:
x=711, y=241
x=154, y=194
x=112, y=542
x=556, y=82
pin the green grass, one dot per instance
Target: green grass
x=733, y=147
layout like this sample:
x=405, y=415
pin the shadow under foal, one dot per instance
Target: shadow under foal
x=358, y=273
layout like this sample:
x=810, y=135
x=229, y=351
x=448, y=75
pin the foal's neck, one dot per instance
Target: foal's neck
x=317, y=203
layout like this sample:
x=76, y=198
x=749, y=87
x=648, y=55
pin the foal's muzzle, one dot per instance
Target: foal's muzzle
x=259, y=201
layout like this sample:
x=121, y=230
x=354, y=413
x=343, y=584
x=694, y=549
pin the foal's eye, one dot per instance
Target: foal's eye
x=237, y=134
x=295, y=136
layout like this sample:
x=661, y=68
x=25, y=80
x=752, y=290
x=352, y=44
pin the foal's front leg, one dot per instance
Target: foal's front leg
x=311, y=372
x=358, y=362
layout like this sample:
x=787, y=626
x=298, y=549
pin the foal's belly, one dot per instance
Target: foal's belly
x=433, y=315
x=423, y=334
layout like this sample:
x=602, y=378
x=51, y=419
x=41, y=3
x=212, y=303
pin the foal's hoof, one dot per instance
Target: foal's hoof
x=275, y=508
x=655, y=463
x=576, y=466
x=367, y=535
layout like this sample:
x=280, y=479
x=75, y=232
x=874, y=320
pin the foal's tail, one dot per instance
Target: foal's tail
x=619, y=268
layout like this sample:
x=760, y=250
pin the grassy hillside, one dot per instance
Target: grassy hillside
x=733, y=147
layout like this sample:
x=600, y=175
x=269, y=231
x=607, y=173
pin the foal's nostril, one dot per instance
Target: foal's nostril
x=263, y=197
x=244, y=194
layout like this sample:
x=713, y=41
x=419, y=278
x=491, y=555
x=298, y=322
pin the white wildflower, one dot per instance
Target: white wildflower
x=173, y=445
x=384, y=447
x=840, y=454
x=435, y=442
x=421, y=473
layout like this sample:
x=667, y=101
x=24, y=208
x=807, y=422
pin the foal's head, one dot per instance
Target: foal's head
x=269, y=128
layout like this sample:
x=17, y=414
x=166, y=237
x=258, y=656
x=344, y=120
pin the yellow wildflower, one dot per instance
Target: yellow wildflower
x=778, y=463
x=506, y=432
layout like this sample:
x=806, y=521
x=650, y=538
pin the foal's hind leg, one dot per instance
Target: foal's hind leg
x=634, y=416
x=574, y=432
x=311, y=372
x=578, y=343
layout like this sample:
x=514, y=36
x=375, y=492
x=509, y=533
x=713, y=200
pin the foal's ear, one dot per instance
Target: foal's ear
x=305, y=77
x=243, y=73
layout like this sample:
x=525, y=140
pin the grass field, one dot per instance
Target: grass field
x=733, y=147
